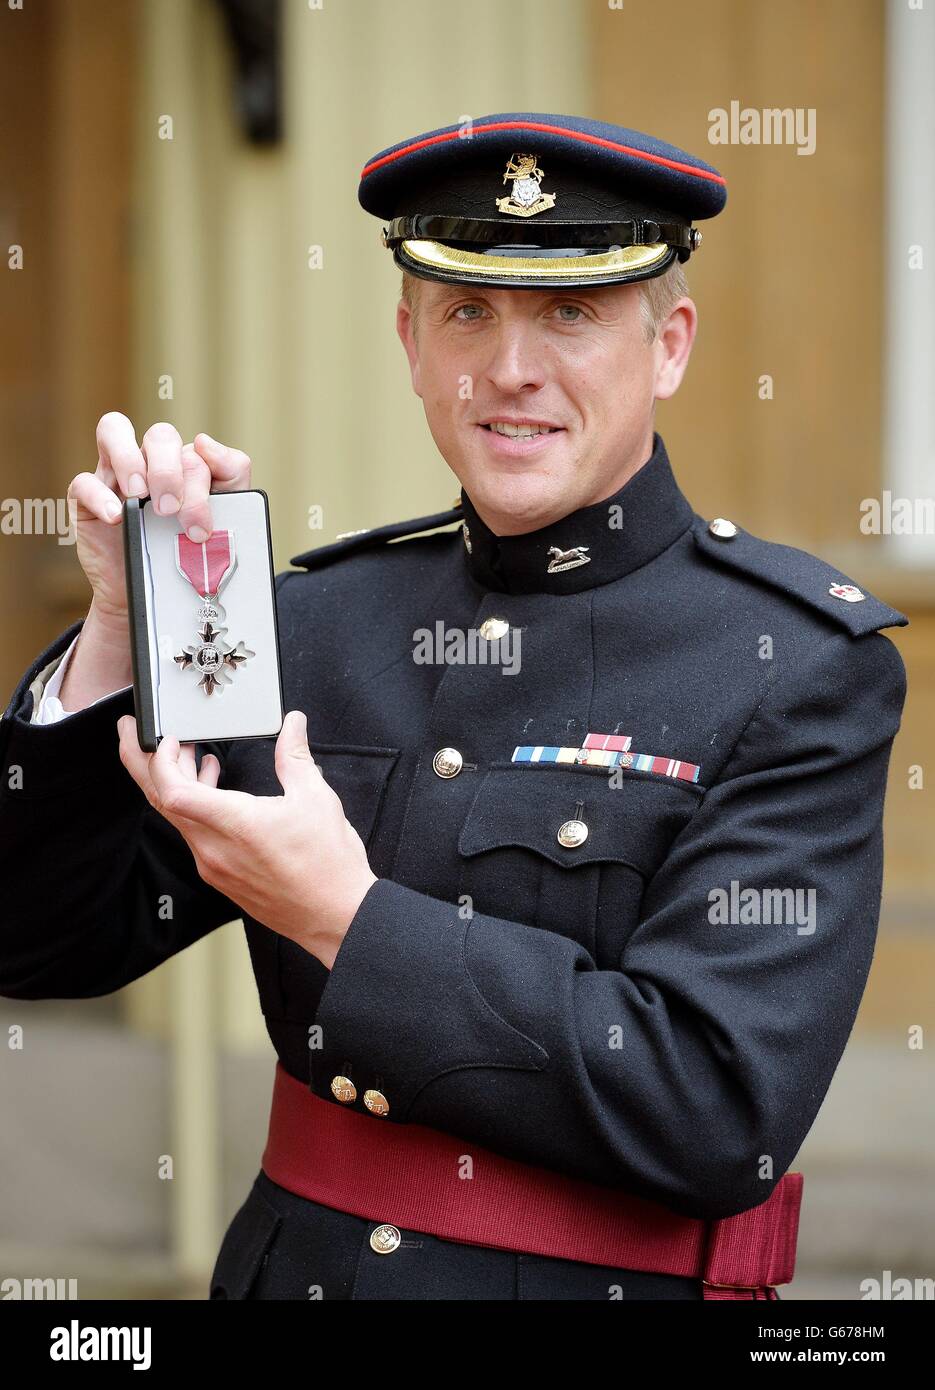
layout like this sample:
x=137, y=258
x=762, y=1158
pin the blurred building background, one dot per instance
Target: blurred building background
x=226, y=279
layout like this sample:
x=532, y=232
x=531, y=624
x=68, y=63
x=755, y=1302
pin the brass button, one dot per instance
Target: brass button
x=343, y=1089
x=572, y=834
x=376, y=1102
x=447, y=762
x=492, y=629
x=385, y=1239
x=722, y=528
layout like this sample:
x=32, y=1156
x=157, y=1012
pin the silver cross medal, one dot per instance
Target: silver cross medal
x=207, y=566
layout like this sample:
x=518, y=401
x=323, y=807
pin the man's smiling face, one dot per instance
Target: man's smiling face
x=541, y=401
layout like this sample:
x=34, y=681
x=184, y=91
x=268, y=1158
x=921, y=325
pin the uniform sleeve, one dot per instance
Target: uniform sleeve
x=50, y=709
x=98, y=889
x=691, y=1074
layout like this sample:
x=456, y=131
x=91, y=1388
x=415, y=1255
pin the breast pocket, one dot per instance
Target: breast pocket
x=569, y=849
x=359, y=774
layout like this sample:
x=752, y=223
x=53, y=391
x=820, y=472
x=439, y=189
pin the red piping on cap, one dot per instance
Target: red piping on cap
x=552, y=130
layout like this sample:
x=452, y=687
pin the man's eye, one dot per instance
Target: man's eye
x=570, y=313
x=471, y=311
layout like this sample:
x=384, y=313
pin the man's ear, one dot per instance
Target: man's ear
x=673, y=348
x=406, y=330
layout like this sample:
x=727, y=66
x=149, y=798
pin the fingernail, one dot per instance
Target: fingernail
x=168, y=503
x=137, y=485
x=211, y=443
x=197, y=534
x=113, y=509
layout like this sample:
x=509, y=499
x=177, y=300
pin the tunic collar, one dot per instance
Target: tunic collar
x=589, y=547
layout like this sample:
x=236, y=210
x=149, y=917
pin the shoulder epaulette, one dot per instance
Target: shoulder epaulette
x=798, y=573
x=355, y=541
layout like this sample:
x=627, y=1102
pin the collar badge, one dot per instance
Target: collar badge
x=567, y=559
x=527, y=197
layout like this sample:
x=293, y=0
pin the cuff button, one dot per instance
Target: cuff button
x=376, y=1102
x=343, y=1089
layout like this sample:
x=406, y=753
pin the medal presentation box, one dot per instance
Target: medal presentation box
x=203, y=632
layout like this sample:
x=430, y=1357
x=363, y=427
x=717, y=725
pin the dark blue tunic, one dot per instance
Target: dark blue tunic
x=586, y=1009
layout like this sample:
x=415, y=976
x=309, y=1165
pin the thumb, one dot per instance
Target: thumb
x=294, y=764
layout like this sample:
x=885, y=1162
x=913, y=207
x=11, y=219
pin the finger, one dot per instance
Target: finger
x=162, y=449
x=133, y=757
x=230, y=468
x=187, y=762
x=210, y=770
x=90, y=499
x=195, y=512
x=180, y=799
x=295, y=766
x=120, y=460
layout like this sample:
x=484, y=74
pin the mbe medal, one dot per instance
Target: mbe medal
x=207, y=566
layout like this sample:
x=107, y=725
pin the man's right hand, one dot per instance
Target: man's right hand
x=179, y=478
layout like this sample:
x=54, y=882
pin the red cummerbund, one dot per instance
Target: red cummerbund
x=416, y=1178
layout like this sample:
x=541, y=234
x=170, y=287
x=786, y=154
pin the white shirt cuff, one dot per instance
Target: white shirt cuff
x=50, y=709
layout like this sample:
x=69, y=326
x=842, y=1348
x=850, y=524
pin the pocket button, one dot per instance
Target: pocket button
x=572, y=833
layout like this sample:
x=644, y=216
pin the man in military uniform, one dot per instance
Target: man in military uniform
x=558, y=949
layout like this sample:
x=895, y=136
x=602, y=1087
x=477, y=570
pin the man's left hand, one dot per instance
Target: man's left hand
x=292, y=862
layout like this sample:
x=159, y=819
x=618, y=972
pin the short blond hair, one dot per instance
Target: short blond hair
x=658, y=297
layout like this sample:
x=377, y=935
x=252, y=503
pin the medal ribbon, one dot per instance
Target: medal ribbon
x=608, y=750
x=206, y=565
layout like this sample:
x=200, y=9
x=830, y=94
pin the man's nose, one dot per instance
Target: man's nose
x=516, y=360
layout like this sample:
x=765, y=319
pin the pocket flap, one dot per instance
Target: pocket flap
x=525, y=804
x=358, y=774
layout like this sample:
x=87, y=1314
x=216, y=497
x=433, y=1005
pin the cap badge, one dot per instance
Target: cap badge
x=527, y=197
x=567, y=559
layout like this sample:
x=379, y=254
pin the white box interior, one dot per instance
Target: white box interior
x=251, y=706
